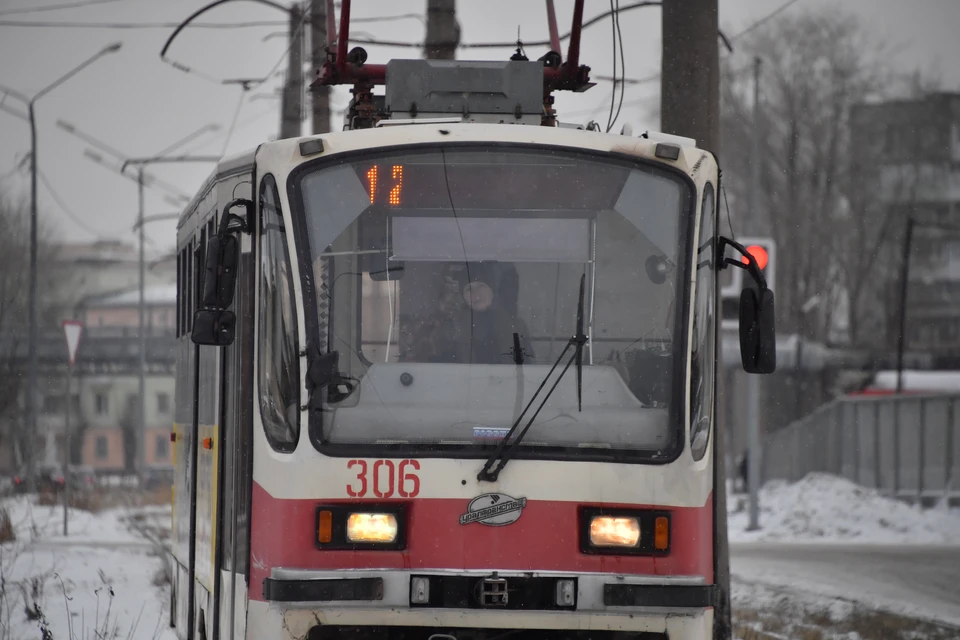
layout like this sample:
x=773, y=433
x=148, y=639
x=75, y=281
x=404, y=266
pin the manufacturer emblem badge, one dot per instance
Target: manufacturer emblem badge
x=494, y=510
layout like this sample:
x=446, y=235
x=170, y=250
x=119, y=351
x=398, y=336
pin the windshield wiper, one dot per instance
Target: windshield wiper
x=506, y=448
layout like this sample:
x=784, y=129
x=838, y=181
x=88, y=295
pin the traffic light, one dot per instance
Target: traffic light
x=733, y=280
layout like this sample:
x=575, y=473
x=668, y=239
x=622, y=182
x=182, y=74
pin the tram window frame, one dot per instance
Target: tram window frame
x=188, y=302
x=287, y=384
x=688, y=207
x=179, y=295
x=703, y=364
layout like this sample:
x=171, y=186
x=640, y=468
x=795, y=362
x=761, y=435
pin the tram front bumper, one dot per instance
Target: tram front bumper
x=680, y=608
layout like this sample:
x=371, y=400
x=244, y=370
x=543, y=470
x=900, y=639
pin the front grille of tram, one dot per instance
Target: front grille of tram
x=513, y=593
x=453, y=633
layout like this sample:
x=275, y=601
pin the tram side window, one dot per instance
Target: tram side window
x=279, y=372
x=703, y=360
x=179, y=284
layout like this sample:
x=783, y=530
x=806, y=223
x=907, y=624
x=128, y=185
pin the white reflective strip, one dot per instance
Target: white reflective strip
x=298, y=622
x=308, y=475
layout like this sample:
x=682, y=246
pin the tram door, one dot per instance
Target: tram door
x=209, y=448
x=237, y=457
x=235, y=463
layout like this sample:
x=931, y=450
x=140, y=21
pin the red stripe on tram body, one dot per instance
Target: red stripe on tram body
x=544, y=538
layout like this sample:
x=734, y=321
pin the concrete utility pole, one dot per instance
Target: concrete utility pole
x=690, y=80
x=318, y=55
x=690, y=106
x=33, y=321
x=443, y=32
x=292, y=108
x=753, y=380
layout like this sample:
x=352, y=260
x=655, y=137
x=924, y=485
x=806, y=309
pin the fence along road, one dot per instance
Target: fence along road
x=907, y=447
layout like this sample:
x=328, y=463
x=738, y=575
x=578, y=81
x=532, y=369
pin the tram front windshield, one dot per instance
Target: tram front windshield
x=449, y=280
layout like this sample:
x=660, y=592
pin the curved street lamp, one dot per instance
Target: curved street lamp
x=31, y=422
x=140, y=163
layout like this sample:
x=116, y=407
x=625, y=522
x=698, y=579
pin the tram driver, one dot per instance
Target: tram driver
x=475, y=319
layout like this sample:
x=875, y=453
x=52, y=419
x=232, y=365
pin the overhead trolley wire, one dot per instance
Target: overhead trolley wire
x=72, y=24
x=764, y=19
x=54, y=7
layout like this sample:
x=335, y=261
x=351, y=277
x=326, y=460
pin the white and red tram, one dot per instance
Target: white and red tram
x=451, y=373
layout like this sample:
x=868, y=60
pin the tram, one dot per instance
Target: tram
x=451, y=372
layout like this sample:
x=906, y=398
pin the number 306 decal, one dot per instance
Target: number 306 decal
x=384, y=478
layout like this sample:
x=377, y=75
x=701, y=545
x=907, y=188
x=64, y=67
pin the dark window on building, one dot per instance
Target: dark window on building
x=163, y=403
x=891, y=140
x=52, y=404
x=279, y=368
x=163, y=447
x=101, y=448
x=101, y=404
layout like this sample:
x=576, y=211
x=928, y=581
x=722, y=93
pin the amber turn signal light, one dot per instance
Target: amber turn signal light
x=661, y=534
x=325, y=527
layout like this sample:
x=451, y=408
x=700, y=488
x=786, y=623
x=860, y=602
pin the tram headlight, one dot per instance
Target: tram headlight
x=635, y=532
x=372, y=527
x=609, y=531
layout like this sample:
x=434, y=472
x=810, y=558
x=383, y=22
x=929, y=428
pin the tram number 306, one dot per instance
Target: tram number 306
x=386, y=479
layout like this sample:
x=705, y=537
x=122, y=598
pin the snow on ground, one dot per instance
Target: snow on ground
x=34, y=521
x=827, y=508
x=99, y=582
x=782, y=612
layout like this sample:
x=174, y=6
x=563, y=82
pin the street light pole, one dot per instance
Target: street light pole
x=176, y=197
x=140, y=163
x=142, y=382
x=31, y=391
x=30, y=399
x=141, y=180
x=904, y=277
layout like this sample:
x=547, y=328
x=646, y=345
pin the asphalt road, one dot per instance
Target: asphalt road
x=922, y=581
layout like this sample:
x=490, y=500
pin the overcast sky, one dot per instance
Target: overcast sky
x=138, y=105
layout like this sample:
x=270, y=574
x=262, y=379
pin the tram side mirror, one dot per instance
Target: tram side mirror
x=220, y=277
x=758, y=339
x=322, y=369
x=213, y=324
x=213, y=327
x=323, y=373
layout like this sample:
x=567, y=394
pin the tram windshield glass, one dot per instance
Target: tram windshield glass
x=449, y=281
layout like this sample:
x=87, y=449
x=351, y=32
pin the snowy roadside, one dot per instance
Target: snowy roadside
x=833, y=559
x=104, y=580
x=778, y=612
x=829, y=509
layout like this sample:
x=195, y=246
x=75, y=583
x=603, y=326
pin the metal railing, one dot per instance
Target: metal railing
x=904, y=446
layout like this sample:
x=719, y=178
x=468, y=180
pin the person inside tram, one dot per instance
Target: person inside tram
x=475, y=319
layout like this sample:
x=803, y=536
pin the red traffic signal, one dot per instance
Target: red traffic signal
x=759, y=254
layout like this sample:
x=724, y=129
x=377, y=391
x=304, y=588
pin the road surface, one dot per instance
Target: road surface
x=922, y=581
